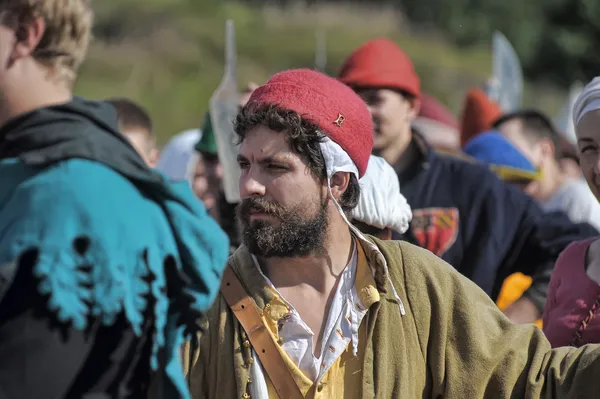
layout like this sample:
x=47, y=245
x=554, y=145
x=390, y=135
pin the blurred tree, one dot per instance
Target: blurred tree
x=555, y=39
x=568, y=47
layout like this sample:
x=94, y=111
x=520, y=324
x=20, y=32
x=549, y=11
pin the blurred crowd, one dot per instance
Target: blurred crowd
x=382, y=247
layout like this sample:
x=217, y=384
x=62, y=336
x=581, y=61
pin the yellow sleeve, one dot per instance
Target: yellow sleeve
x=474, y=351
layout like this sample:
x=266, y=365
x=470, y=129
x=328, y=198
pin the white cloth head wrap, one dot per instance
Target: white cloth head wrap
x=338, y=160
x=588, y=101
x=178, y=159
x=381, y=204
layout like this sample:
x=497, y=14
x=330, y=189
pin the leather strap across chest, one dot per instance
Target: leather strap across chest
x=247, y=313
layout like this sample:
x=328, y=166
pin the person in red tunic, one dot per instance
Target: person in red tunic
x=571, y=312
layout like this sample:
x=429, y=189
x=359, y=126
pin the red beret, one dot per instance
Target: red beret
x=332, y=106
x=431, y=108
x=478, y=115
x=380, y=63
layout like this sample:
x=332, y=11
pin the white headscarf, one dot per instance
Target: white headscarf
x=178, y=159
x=381, y=204
x=588, y=101
x=338, y=160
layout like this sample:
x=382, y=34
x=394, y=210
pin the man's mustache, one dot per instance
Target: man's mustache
x=259, y=205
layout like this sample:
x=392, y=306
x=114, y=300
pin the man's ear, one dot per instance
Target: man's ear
x=548, y=148
x=339, y=184
x=153, y=158
x=28, y=34
x=415, y=108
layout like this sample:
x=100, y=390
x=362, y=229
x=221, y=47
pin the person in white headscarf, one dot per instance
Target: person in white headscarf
x=587, y=102
x=381, y=208
x=571, y=313
x=178, y=159
x=586, y=115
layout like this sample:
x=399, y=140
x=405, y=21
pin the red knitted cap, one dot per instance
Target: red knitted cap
x=478, y=115
x=380, y=63
x=339, y=112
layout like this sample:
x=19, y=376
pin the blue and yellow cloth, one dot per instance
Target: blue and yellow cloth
x=502, y=157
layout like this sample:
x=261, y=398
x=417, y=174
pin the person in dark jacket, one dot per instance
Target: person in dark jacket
x=462, y=212
x=106, y=267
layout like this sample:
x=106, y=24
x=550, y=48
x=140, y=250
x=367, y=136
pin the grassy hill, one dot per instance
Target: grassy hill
x=168, y=54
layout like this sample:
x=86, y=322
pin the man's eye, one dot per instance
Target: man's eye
x=587, y=149
x=243, y=165
x=276, y=167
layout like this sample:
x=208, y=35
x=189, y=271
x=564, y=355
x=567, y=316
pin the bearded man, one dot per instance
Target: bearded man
x=312, y=308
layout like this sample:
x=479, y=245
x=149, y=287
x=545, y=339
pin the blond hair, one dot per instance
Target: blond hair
x=64, y=43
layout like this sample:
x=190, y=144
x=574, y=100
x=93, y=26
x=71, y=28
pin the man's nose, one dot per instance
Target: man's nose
x=250, y=185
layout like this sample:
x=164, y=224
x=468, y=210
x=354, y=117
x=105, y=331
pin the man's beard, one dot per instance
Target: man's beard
x=296, y=235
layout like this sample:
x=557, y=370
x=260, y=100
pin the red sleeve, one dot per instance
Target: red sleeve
x=574, y=254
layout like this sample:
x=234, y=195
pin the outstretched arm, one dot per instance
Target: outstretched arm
x=479, y=352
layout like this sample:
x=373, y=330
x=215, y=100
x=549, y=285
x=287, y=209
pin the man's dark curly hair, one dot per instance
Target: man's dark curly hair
x=303, y=136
